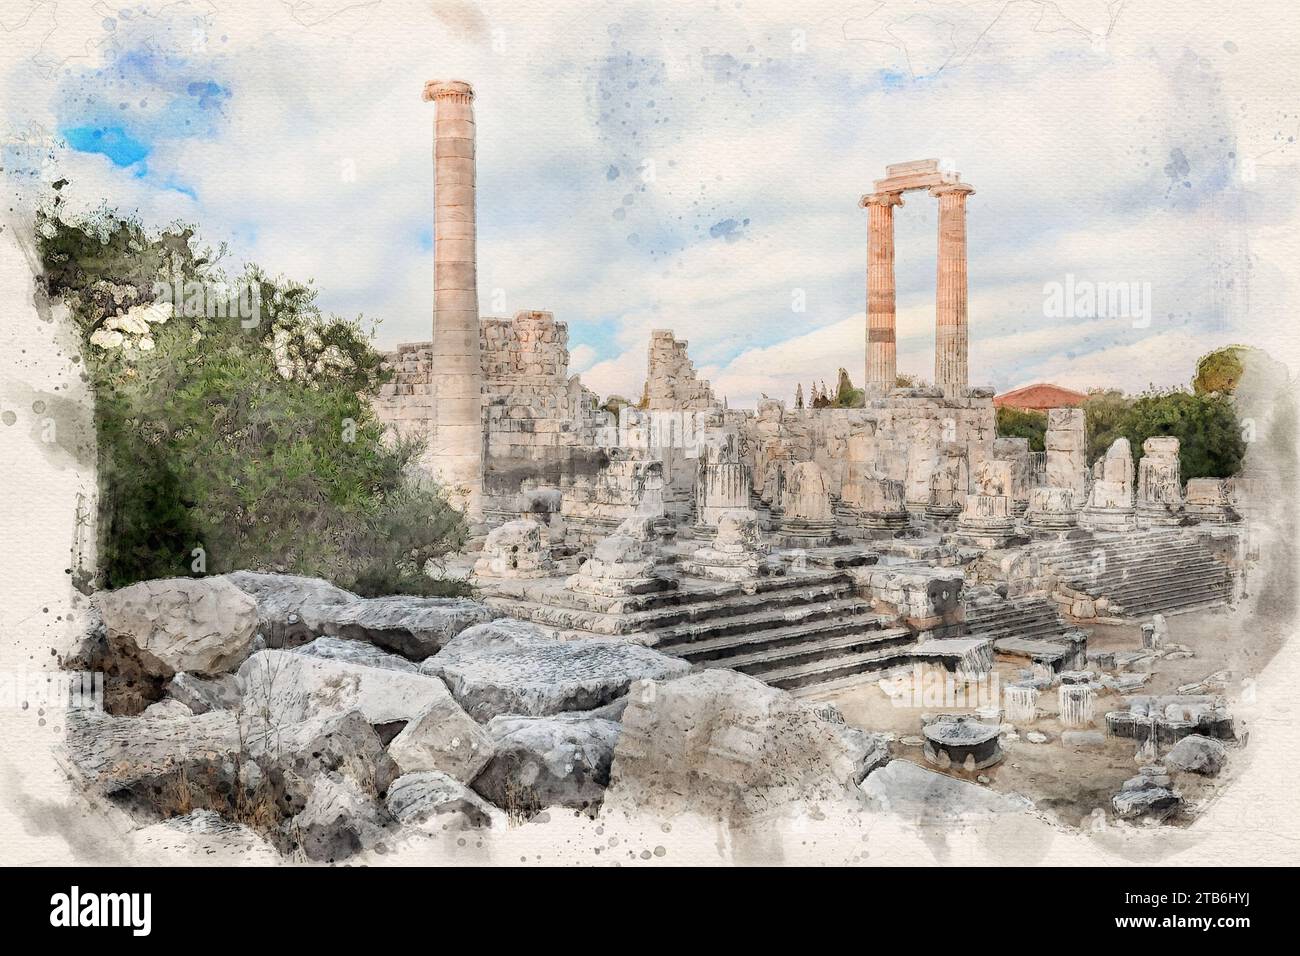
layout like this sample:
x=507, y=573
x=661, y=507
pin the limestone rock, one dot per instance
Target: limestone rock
x=541, y=762
x=723, y=744
x=208, y=838
x=356, y=652
x=291, y=609
x=202, y=694
x=207, y=761
x=339, y=820
x=515, y=550
x=1198, y=754
x=414, y=627
x=167, y=708
x=294, y=610
x=201, y=625
x=286, y=687
x=929, y=797
x=442, y=737
x=512, y=667
x=1149, y=794
x=432, y=801
x=1157, y=802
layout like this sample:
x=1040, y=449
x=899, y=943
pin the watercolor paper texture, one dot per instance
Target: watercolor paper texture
x=648, y=433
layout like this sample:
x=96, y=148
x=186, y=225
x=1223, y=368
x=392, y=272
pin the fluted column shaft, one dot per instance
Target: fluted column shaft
x=456, y=447
x=882, y=354
x=950, y=331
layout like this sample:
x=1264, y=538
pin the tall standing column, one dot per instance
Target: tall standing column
x=882, y=354
x=950, y=331
x=456, y=446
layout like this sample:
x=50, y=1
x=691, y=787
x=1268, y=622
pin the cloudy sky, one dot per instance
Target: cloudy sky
x=697, y=166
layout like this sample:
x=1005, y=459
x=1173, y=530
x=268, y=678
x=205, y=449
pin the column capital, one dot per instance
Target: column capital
x=448, y=89
x=945, y=189
x=881, y=199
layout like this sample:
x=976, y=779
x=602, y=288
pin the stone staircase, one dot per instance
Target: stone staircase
x=1028, y=618
x=799, y=632
x=1143, y=572
x=1028, y=629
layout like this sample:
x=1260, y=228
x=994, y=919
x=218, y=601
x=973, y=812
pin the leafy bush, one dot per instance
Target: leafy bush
x=1023, y=423
x=229, y=440
x=1219, y=371
x=1206, y=426
x=1104, y=413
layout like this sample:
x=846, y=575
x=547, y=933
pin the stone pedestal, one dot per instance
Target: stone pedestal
x=1208, y=501
x=868, y=499
x=517, y=549
x=1077, y=702
x=1020, y=702
x=626, y=562
x=1015, y=451
x=735, y=554
x=807, y=517
x=1159, y=484
x=1110, y=502
x=949, y=483
x=987, y=519
x=1067, y=452
x=1052, y=510
x=959, y=741
x=722, y=481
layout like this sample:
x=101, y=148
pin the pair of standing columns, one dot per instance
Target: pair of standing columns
x=950, y=333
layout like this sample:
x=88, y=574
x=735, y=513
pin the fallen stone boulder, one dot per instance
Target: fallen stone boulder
x=725, y=745
x=513, y=667
x=544, y=762
x=201, y=625
x=202, y=694
x=430, y=800
x=285, y=687
x=294, y=610
x=209, y=838
x=1198, y=754
x=926, y=797
x=414, y=627
x=355, y=652
x=1149, y=794
x=167, y=708
x=221, y=761
x=443, y=737
x=291, y=609
x=339, y=820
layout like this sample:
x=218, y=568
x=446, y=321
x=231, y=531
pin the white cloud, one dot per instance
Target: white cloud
x=1066, y=141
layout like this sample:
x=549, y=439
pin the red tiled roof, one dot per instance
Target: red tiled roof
x=1040, y=397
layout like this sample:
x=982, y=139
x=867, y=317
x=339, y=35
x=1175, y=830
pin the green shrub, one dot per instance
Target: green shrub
x=1023, y=423
x=237, y=442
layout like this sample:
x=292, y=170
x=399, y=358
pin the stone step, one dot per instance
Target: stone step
x=1149, y=602
x=1121, y=539
x=1043, y=631
x=835, y=671
x=1177, y=607
x=1155, y=576
x=1128, y=561
x=712, y=608
x=1088, y=552
x=851, y=610
x=723, y=647
x=762, y=662
x=1040, y=612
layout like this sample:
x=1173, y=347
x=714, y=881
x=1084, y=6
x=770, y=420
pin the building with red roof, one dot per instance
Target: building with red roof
x=1039, y=398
